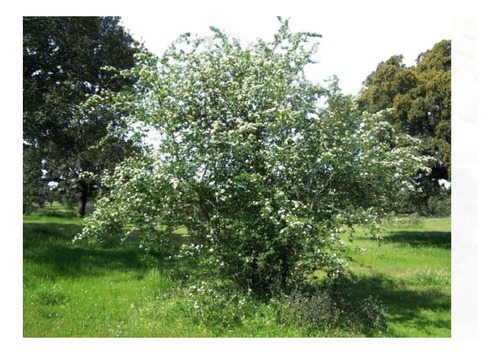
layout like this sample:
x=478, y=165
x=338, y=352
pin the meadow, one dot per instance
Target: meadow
x=74, y=290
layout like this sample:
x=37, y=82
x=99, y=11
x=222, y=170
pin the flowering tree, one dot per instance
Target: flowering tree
x=261, y=174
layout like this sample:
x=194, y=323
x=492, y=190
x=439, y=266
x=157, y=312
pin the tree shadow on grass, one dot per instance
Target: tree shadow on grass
x=50, y=244
x=420, y=239
x=406, y=305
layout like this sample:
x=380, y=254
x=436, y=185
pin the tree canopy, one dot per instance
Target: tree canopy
x=420, y=97
x=260, y=172
x=64, y=61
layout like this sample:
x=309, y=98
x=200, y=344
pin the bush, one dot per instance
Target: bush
x=311, y=311
x=439, y=205
x=325, y=311
x=262, y=175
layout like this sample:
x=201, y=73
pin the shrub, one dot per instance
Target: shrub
x=330, y=313
x=439, y=205
x=250, y=161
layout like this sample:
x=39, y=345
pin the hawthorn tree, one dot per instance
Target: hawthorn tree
x=260, y=172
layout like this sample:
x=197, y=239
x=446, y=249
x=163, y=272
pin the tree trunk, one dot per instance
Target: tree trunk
x=82, y=202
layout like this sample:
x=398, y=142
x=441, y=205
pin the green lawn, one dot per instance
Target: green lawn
x=81, y=291
x=410, y=270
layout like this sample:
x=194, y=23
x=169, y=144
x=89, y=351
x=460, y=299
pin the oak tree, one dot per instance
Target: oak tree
x=420, y=97
x=64, y=60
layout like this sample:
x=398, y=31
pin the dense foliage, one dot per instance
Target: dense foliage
x=63, y=60
x=420, y=97
x=262, y=173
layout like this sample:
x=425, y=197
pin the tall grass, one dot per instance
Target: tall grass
x=88, y=291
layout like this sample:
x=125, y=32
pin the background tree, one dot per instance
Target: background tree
x=261, y=175
x=420, y=97
x=64, y=60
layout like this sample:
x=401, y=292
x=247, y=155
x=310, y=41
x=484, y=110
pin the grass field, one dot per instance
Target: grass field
x=81, y=291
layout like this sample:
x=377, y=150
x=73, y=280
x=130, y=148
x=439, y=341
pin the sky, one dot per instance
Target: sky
x=350, y=48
